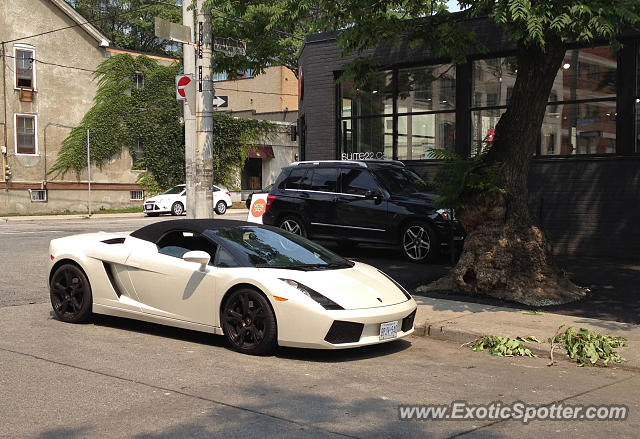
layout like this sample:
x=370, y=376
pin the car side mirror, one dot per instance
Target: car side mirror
x=198, y=256
x=372, y=195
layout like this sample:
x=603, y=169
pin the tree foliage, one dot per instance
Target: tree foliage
x=130, y=23
x=274, y=31
x=124, y=116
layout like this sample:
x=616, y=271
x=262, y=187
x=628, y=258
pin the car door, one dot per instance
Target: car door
x=358, y=215
x=320, y=205
x=168, y=286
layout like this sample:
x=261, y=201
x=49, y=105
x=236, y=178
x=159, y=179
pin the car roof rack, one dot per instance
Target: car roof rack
x=362, y=163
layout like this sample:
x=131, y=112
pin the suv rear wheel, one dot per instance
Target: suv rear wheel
x=293, y=224
x=419, y=242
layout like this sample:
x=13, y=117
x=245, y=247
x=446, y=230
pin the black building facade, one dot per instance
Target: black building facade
x=585, y=177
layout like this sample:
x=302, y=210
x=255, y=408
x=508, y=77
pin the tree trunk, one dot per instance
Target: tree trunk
x=506, y=254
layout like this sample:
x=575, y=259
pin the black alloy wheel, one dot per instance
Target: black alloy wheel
x=293, y=224
x=419, y=242
x=249, y=323
x=221, y=207
x=177, y=209
x=70, y=294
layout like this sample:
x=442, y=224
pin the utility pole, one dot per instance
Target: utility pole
x=89, y=171
x=202, y=194
x=190, y=111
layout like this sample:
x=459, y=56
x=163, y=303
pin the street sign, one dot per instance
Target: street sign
x=229, y=46
x=221, y=101
x=172, y=31
x=184, y=87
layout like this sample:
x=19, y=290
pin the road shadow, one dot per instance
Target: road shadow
x=314, y=355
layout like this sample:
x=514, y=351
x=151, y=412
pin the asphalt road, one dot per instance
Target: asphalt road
x=121, y=378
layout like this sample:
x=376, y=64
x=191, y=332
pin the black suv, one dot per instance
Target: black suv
x=352, y=202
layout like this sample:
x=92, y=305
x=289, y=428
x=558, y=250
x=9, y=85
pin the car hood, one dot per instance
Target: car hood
x=160, y=198
x=361, y=286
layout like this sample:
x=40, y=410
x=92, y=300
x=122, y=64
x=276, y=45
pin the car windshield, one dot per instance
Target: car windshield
x=401, y=180
x=273, y=248
x=174, y=190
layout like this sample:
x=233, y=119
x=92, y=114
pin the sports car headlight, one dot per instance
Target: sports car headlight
x=325, y=302
x=405, y=292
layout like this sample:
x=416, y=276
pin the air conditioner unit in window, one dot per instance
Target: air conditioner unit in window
x=26, y=94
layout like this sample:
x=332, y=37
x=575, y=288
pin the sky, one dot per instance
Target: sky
x=453, y=5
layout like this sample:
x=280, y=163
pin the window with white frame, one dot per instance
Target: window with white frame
x=136, y=195
x=26, y=127
x=25, y=66
x=138, y=80
x=38, y=195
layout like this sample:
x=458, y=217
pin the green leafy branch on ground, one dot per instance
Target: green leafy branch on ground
x=586, y=347
x=504, y=346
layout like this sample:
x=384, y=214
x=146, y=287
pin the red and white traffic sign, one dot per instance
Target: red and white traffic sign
x=184, y=85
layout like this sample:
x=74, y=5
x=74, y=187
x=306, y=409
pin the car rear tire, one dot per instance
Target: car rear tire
x=248, y=322
x=418, y=242
x=70, y=294
x=294, y=225
x=221, y=208
x=177, y=209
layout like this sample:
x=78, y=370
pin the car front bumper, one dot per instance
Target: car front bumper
x=313, y=329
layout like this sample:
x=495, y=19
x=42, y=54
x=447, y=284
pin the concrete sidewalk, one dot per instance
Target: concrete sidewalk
x=462, y=322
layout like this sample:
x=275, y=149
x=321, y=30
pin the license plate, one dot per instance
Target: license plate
x=388, y=330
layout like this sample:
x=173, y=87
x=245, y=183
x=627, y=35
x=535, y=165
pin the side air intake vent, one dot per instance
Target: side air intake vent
x=114, y=241
x=112, y=279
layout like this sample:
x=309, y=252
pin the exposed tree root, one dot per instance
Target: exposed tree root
x=506, y=260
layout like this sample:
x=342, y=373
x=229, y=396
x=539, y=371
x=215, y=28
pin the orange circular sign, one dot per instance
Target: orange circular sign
x=258, y=208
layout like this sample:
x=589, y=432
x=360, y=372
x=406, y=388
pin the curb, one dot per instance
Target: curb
x=461, y=336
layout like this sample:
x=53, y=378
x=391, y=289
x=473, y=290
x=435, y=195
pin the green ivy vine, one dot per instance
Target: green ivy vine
x=124, y=116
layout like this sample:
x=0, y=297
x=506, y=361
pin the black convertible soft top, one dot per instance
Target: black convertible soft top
x=153, y=232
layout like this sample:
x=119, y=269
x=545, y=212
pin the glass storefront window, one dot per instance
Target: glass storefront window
x=367, y=138
x=492, y=81
x=586, y=74
x=372, y=99
x=483, y=124
x=419, y=133
x=430, y=88
x=581, y=128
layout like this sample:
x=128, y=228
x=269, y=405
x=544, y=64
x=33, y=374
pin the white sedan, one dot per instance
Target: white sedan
x=174, y=201
x=257, y=285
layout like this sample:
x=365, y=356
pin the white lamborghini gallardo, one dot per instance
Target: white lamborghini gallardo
x=257, y=285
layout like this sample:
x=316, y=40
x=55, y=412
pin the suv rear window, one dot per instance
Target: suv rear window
x=297, y=179
x=324, y=179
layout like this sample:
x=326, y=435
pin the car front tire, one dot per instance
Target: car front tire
x=419, y=242
x=177, y=209
x=70, y=294
x=294, y=225
x=221, y=208
x=248, y=322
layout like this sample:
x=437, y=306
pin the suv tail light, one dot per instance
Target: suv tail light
x=270, y=200
x=228, y=193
